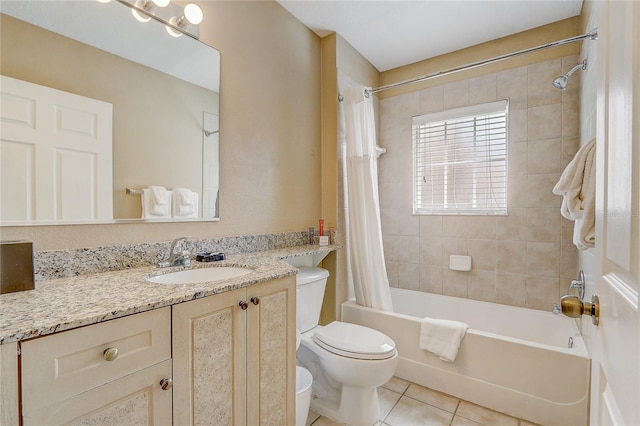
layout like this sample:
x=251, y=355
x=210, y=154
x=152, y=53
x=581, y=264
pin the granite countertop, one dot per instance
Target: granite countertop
x=66, y=303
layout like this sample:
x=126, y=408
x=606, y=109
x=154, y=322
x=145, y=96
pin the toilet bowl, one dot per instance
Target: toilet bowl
x=347, y=361
x=344, y=383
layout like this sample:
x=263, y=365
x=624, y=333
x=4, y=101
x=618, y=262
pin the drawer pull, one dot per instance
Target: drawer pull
x=110, y=354
x=243, y=305
x=255, y=300
x=166, y=384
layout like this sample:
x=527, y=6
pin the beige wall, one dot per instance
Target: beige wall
x=525, y=259
x=337, y=55
x=270, y=134
x=155, y=116
x=534, y=37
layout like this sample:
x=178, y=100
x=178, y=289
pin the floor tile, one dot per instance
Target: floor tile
x=431, y=397
x=312, y=417
x=397, y=384
x=325, y=421
x=409, y=412
x=484, y=415
x=387, y=400
x=461, y=421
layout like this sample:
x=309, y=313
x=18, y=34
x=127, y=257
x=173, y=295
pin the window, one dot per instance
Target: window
x=460, y=161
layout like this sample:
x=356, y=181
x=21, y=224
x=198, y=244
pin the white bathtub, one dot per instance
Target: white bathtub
x=512, y=360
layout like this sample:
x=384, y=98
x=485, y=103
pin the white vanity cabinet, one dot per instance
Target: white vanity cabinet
x=106, y=373
x=234, y=357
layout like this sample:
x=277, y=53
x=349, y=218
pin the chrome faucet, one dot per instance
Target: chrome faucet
x=578, y=284
x=178, y=256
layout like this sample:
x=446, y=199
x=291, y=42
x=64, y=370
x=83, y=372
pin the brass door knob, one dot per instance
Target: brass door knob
x=110, y=354
x=243, y=305
x=255, y=300
x=166, y=383
x=573, y=307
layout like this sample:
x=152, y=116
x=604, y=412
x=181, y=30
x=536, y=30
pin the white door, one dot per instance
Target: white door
x=615, y=395
x=55, y=155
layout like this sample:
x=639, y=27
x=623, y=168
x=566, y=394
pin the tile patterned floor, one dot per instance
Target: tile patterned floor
x=403, y=403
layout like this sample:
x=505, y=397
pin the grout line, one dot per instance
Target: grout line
x=394, y=405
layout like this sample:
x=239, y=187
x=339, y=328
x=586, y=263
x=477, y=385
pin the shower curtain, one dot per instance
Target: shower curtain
x=365, y=256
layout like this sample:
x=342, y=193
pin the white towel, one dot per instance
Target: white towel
x=159, y=200
x=185, y=203
x=155, y=205
x=577, y=186
x=442, y=337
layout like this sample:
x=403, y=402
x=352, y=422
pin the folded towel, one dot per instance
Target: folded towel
x=442, y=337
x=185, y=203
x=151, y=209
x=159, y=200
x=577, y=187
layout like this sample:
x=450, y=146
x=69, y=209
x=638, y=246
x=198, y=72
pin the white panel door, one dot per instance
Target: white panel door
x=55, y=153
x=616, y=355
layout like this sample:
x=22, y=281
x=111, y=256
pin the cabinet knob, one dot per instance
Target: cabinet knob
x=243, y=305
x=110, y=354
x=255, y=300
x=166, y=383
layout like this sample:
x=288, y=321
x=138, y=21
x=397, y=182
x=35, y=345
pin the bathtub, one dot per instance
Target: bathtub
x=513, y=360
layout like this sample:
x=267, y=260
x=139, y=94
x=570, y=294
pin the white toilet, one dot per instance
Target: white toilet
x=348, y=361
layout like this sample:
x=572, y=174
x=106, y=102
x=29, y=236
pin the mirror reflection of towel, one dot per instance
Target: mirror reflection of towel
x=185, y=203
x=156, y=204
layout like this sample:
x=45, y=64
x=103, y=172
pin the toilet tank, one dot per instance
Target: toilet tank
x=310, y=284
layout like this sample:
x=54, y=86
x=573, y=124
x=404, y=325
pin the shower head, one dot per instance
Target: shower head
x=561, y=82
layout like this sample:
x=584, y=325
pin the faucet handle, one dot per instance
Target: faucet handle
x=175, y=243
x=578, y=284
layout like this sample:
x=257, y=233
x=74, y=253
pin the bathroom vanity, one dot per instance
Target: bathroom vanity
x=99, y=347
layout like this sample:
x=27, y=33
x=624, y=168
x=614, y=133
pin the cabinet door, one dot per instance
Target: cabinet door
x=271, y=353
x=209, y=352
x=62, y=365
x=136, y=399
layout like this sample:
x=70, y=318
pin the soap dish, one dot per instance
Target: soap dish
x=210, y=257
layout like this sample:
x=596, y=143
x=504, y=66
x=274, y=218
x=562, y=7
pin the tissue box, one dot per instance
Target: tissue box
x=16, y=266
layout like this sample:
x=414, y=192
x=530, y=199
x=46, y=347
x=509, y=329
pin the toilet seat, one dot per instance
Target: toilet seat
x=355, y=341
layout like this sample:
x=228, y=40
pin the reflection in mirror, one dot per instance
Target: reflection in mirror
x=89, y=63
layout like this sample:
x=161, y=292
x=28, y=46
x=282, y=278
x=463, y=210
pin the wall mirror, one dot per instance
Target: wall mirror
x=162, y=93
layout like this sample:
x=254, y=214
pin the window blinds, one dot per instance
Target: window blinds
x=460, y=161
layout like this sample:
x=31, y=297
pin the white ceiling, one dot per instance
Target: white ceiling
x=392, y=33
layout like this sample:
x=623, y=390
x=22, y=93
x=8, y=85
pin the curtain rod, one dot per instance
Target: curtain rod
x=591, y=35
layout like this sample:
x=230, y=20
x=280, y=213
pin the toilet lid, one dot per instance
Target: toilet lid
x=355, y=341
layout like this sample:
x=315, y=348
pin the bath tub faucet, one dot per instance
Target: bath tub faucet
x=178, y=256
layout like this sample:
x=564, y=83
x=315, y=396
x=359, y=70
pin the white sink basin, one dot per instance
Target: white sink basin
x=200, y=275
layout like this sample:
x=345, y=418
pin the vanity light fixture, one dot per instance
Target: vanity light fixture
x=177, y=20
x=191, y=14
x=149, y=7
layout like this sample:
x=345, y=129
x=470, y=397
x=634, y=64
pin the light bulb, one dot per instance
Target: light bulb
x=193, y=13
x=162, y=3
x=172, y=32
x=139, y=16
